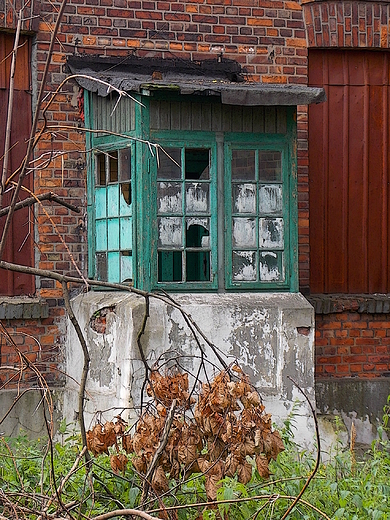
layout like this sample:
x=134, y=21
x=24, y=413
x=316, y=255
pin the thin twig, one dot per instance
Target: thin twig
x=158, y=452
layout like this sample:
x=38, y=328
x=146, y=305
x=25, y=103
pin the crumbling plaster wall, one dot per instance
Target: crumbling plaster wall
x=271, y=336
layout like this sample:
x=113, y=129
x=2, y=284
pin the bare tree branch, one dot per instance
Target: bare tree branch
x=30, y=201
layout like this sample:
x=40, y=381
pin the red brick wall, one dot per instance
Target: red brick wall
x=349, y=344
x=347, y=24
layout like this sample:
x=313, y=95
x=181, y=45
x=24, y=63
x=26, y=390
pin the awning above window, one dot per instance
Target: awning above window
x=222, y=78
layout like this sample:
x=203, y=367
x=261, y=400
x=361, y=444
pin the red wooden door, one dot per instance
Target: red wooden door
x=20, y=238
x=349, y=172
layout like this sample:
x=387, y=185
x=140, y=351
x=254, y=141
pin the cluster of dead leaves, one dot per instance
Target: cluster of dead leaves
x=229, y=428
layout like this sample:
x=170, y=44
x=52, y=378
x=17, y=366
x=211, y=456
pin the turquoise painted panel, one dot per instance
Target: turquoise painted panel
x=126, y=267
x=126, y=233
x=113, y=201
x=101, y=202
x=113, y=264
x=101, y=235
x=113, y=234
x=125, y=205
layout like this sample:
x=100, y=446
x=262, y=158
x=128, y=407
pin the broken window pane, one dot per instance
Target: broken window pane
x=169, y=197
x=244, y=232
x=113, y=166
x=101, y=266
x=169, y=266
x=198, y=266
x=126, y=266
x=244, y=198
x=169, y=163
x=271, y=233
x=271, y=266
x=125, y=165
x=271, y=199
x=197, y=232
x=197, y=197
x=197, y=163
x=101, y=169
x=170, y=231
x=244, y=266
x=126, y=193
x=270, y=165
x=243, y=165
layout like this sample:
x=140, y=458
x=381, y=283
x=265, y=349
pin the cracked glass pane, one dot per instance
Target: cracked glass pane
x=244, y=232
x=244, y=198
x=244, y=266
x=170, y=231
x=197, y=232
x=169, y=197
x=271, y=233
x=271, y=199
x=271, y=266
x=197, y=197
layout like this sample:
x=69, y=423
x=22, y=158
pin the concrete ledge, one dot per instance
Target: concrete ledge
x=17, y=308
x=361, y=303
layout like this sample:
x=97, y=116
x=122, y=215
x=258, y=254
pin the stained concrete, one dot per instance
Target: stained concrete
x=270, y=335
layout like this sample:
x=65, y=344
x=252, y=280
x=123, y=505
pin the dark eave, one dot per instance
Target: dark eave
x=222, y=78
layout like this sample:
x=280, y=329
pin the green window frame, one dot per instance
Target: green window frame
x=257, y=211
x=205, y=210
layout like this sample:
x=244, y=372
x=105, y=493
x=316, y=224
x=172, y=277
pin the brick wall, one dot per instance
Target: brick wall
x=347, y=24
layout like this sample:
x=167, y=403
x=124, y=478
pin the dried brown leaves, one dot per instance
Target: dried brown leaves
x=230, y=428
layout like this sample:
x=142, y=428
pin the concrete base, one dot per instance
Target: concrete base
x=270, y=335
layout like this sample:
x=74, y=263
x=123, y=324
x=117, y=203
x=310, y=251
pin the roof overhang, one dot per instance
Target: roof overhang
x=222, y=78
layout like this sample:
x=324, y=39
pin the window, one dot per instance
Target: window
x=212, y=209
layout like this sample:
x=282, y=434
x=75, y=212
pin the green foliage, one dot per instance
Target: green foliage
x=342, y=488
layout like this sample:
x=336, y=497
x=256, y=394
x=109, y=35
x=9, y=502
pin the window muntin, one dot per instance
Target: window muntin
x=184, y=215
x=256, y=242
x=114, y=216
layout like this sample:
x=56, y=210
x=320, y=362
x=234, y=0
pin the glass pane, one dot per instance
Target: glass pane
x=125, y=165
x=197, y=198
x=244, y=198
x=113, y=166
x=113, y=201
x=101, y=266
x=126, y=229
x=169, y=163
x=271, y=233
x=100, y=202
x=126, y=266
x=198, y=266
x=113, y=261
x=244, y=232
x=101, y=235
x=125, y=198
x=271, y=199
x=271, y=266
x=101, y=169
x=244, y=266
x=169, y=197
x=197, y=163
x=197, y=232
x=170, y=231
x=270, y=165
x=113, y=234
x=169, y=266
x=243, y=165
